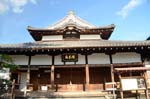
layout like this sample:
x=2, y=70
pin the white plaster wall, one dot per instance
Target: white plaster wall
x=126, y=57
x=81, y=59
x=20, y=59
x=41, y=60
x=98, y=59
x=58, y=60
x=52, y=37
x=90, y=36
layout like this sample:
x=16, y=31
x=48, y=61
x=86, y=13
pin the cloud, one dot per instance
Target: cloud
x=130, y=6
x=3, y=6
x=16, y=6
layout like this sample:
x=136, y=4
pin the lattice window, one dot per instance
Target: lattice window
x=71, y=33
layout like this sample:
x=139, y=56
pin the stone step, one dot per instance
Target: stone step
x=72, y=95
x=65, y=95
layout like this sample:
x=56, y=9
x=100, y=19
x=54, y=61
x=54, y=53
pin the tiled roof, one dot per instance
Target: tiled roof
x=104, y=31
x=71, y=20
x=77, y=44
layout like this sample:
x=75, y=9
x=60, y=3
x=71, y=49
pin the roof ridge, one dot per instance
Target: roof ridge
x=67, y=20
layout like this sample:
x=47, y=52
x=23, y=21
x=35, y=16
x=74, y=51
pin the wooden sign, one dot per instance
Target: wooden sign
x=133, y=83
x=70, y=57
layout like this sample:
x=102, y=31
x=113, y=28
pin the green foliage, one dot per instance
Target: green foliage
x=3, y=84
x=7, y=62
x=5, y=58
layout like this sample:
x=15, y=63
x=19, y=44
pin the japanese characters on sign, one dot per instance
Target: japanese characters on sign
x=70, y=57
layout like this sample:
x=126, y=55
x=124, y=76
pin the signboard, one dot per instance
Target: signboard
x=70, y=57
x=44, y=88
x=133, y=83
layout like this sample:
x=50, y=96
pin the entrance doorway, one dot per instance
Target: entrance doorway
x=40, y=78
x=98, y=77
x=70, y=79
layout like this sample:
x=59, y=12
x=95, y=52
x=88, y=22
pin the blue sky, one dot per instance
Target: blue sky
x=131, y=17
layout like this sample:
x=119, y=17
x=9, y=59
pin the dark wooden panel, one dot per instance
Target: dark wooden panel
x=39, y=77
x=100, y=75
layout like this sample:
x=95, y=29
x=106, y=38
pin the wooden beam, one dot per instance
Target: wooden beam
x=53, y=59
x=86, y=59
x=110, y=58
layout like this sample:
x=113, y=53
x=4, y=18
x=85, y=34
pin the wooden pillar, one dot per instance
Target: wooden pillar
x=52, y=76
x=121, y=91
x=87, y=78
x=146, y=81
x=28, y=70
x=87, y=73
x=111, y=68
x=52, y=73
x=112, y=72
x=112, y=80
x=146, y=85
x=28, y=75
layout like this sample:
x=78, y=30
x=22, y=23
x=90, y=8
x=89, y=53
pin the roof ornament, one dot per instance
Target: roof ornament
x=71, y=19
x=71, y=13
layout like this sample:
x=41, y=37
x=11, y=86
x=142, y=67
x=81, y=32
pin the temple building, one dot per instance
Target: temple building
x=74, y=55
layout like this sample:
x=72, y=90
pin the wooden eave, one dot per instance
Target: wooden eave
x=37, y=34
x=78, y=46
x=131, y=69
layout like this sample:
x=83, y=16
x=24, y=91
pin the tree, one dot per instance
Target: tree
x=5, y=62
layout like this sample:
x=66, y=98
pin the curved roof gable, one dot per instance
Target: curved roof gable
x=73, y=20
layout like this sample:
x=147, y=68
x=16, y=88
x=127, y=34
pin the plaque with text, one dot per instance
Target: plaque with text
x=70, y=57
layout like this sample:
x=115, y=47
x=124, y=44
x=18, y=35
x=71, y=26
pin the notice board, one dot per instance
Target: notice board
x=133, y=83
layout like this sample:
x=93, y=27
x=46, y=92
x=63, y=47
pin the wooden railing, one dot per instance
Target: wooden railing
x=110, y=86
